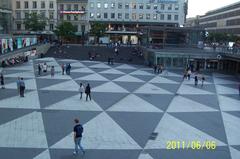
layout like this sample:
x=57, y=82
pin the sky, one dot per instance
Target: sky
x=200, y=7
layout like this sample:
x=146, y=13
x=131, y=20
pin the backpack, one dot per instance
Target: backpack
x=79, y=130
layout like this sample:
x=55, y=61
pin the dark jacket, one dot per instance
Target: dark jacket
x=88, y=90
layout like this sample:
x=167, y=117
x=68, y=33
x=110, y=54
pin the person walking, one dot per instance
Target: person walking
x=158, y=69
x=155, y=69
x=63, y=69
x=203, y=80
x=88, y=92
x=196, y=80
x=2, y=81
x=45, y=66
x=81, y=90
x=52, y=71
x=22, y=87
x=18, y=85
x=39, y=69
x=189, y=72
x=78, y=131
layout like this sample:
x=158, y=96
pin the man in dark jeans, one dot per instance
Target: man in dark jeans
x=78, y=130
x=88, y=92
x=22, y=87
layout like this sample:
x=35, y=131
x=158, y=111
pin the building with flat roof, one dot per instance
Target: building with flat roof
x=5, y=16
x=223, y=20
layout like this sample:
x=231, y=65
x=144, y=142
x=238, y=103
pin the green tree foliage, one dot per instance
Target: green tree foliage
x=65, y=30
x=98, y=30
x=222, y=37
x=35, y=22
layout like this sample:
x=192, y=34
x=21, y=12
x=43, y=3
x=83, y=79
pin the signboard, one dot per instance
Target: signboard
x=162, y=1
x=72, y=12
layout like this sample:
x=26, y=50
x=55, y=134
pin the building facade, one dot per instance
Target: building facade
x=224, y=20
x=22, y=9
x=124, y=17
x=5, y=16
x=74, y=11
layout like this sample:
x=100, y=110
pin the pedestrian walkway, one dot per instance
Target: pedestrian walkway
x=128, y=104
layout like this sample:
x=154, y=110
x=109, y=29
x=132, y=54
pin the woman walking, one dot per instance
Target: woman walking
x=81, y=90
x=88, y=92
x=2, y=81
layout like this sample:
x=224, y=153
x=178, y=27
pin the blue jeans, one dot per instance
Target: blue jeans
x=78, y=144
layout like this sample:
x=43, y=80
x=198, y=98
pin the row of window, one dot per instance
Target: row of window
x=70, y=7
x=134, y=16
x=134, y=6
x=26, y=14
x=233, y=22
x=20, y=26
x=34, y=4
x=73, y=17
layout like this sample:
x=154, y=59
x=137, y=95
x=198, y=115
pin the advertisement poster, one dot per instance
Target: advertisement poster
x=24, y=42
x=4, y=45
x=10, y=44
x=0, y=46
x=27, y=42
x=19, y=43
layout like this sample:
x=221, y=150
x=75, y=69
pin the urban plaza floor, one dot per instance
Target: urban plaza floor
x=133, y=114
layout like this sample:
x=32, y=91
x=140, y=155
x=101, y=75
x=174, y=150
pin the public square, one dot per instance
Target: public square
x=129, y=103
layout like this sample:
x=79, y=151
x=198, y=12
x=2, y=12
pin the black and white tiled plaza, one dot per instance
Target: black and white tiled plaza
x=129, y=104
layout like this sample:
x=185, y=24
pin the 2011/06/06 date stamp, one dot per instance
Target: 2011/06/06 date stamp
x=191, y=145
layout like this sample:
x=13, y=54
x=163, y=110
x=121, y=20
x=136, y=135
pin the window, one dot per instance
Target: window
x=43, y=14
x=140, y=6
x=170, y=7
x=98, y=15
x=51, y=27
x=106, y=5
x=148, y=6
x=69, y=7
x=26, y=4
x=91, y=5
x=169, y=17
x=76, y=27
x=126, y=15
x=19, y=26
x=18, y=15
x=134, y=6
x=162, y=6
x=175, y=17
x=140, y=16
x=162, y=16
x=119, y=15
x=34, y=4
x=42, y=4
x=155, y=6
x=51, y=4
x=75, y=7
x=105, y=15
x=113, y=15
x=18, y=4
x=112, y=5
x=98, y=5
x=26, y=15
x=83, y=28
x=176, y=7
x=61, y=7
x=51, y=15
x=68, y=17
x=155, y=16
x=148, y=16
x=61, y=16
x=91, y=15
x=119, y=5
x=75, y=17
x=134, y=16
x=127, y=6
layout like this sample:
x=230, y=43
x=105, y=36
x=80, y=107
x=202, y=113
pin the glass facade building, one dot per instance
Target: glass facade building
x=5, y=16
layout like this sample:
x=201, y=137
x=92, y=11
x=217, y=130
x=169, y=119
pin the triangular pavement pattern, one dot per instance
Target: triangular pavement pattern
x=128, y=78
x=143, y=77
x=145, y=156
x=228, y=104
x=138, y=125
x=29, y=84
x=186, y=89
x=106, y=100
x=226, y=90
x=59, y=123
x=206, y=87
x=208, y=122
x=162, y=80
x=82, y=70
x=181, y=104
x=112, y=71
x=28, y=74
x=44, y=155
x=74, y=103
x=224, y=81
x=125, y=66
x=151, y=89
x=8, y=93
x=100, y=65
x=17, y=153
x=179, y=131
x=22, y=68
x=110, y=87
x=160, y=101
x=133, y=103
x=111, y=76
x=56, y=76
x=70, y=85
x=76, y=75
x=16, y=133
x=234, y=153
x=42, y=83
x=77, y=64
x=30, y=101
x=232, y=124
x=169, y=87
x=93, y=77
x=140, y=72
x=106, y=134
x=130, y=86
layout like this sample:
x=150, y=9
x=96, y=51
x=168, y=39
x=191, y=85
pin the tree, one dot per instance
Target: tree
x=35, y=22
x=98, y=30
x=65, y=30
